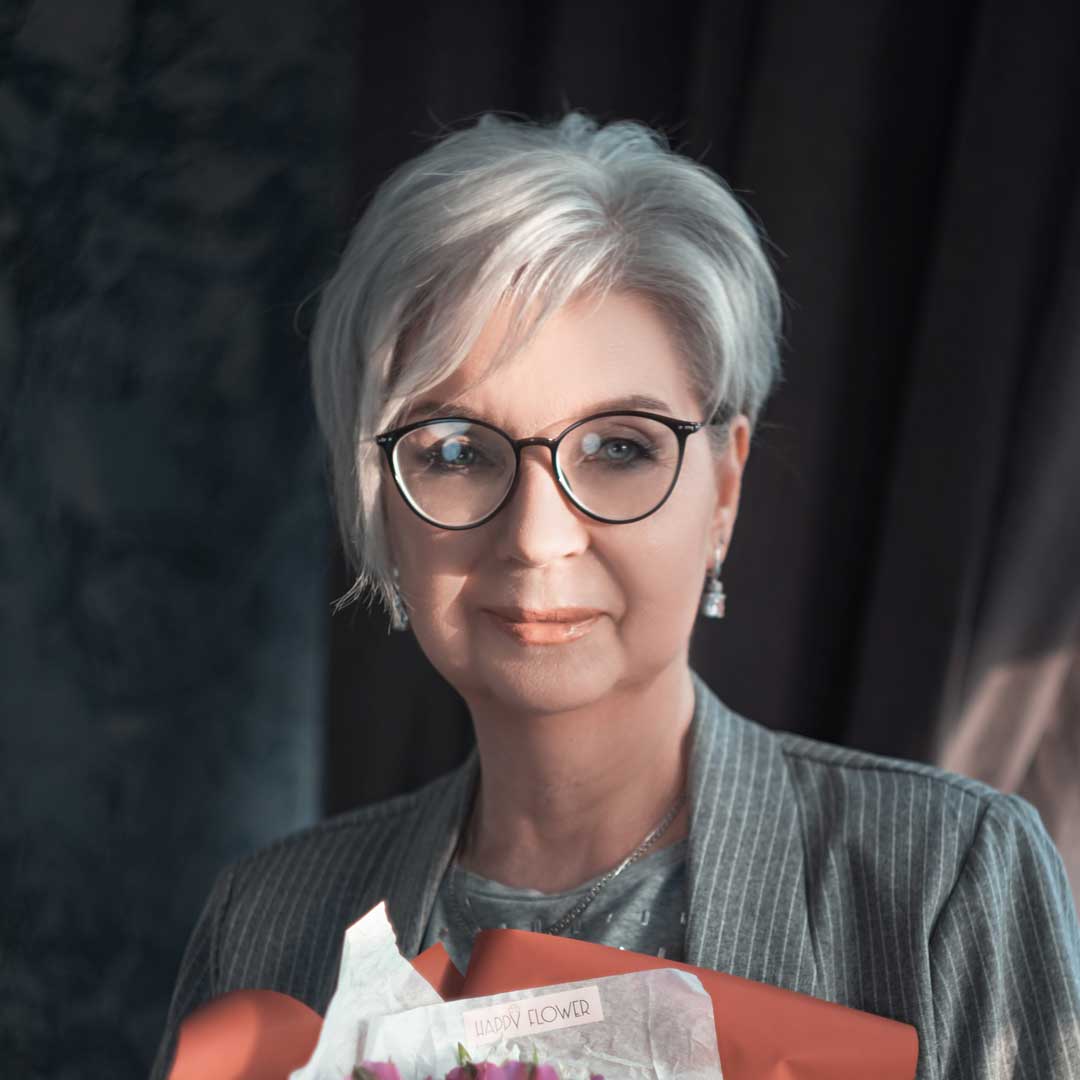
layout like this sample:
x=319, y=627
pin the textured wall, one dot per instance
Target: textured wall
x=172, y=179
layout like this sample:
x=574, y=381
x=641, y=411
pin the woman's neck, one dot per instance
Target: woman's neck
x=564, y=798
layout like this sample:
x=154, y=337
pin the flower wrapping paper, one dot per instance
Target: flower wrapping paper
x=641, y=1025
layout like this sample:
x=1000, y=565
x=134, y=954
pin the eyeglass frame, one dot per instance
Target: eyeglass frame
x=682, y=430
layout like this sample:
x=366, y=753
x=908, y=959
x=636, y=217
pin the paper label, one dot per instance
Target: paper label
x=531, y=1015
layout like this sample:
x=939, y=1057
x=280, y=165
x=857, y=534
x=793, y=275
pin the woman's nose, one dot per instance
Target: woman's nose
x=539, y=524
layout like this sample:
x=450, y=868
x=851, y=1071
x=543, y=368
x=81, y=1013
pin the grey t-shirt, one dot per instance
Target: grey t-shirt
x=643, y=909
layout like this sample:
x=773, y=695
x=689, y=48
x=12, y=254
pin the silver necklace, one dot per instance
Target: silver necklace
x=560, y=925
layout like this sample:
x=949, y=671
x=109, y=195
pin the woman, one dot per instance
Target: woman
x=538, y=369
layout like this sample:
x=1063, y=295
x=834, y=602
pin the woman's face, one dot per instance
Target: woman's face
x=473, y=594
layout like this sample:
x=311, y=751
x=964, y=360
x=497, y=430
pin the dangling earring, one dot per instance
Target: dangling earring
x=399, y=616
x=712, y=597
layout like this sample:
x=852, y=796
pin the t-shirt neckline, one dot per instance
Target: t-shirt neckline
x=488, y=888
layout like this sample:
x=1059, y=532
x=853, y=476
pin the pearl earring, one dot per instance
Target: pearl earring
x=712, y=597
x=399, y=615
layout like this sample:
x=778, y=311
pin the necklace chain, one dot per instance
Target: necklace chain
x=561, y=924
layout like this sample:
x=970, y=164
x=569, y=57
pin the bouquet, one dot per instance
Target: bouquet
x=762, y=1032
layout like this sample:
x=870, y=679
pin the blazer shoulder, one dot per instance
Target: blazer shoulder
x=812, y=761
x=835, y=791
x=863, y=804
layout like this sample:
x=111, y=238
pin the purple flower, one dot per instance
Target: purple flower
x=518, y=1070
x=376, y=1070
x=467, y=1069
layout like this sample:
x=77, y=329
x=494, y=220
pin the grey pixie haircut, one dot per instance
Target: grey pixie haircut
x=533, y=215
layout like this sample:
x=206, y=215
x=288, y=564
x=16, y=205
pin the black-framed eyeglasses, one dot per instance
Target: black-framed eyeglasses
x=616, y=467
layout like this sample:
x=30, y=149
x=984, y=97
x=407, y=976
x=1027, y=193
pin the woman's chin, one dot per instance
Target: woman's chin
x=541, y=689
x=549, y=677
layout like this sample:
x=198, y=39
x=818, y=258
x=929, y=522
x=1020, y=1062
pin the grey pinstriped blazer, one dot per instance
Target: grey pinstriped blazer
x=881, y=884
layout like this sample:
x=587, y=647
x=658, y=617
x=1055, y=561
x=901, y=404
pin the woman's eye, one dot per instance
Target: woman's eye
x=614, y=450
x=453, y=454
x=620, y=450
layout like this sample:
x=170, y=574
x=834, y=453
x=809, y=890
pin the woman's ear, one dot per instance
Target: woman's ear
x=729, y=465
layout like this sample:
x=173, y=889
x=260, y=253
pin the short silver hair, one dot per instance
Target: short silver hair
x=536, y=215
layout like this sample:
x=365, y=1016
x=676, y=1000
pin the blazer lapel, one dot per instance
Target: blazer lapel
x=745, y=882
x=423, y=851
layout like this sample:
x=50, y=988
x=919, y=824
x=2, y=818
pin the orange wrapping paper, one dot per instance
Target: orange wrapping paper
x=763, y=1032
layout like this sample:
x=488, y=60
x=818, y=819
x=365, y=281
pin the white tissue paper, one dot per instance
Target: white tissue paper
x=374, y=978
x=647, y=1024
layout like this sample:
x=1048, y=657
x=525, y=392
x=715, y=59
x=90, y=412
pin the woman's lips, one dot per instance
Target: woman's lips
x=553, y=627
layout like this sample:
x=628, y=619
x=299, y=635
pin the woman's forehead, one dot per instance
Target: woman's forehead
x=428, y=408
x=611, y=354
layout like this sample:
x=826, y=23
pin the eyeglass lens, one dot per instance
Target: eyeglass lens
x=456, y=473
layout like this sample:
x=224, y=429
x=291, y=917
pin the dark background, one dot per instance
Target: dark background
x=176, y=177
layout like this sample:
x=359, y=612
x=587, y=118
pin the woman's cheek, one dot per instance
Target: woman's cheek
x=664, y=598
x=656, y=608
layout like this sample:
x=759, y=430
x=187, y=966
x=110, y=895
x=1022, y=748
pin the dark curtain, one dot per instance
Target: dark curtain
x=905, y=572
x=176, y=176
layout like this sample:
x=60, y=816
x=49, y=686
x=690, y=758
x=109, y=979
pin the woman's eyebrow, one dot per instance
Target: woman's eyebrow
x=644, y=402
